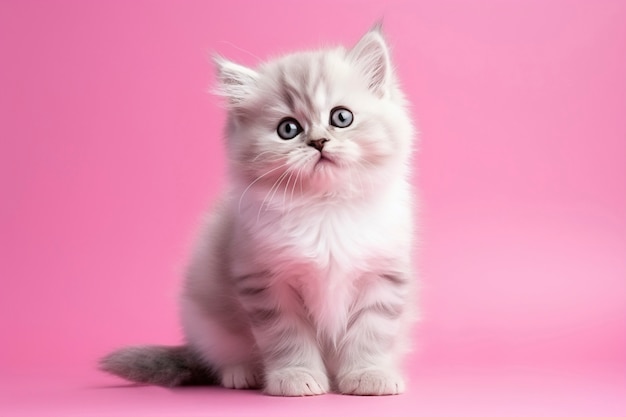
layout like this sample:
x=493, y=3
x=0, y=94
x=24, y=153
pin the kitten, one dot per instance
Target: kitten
x=302, y=279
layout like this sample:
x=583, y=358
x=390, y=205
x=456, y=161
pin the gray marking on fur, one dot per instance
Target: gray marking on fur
x=263, y=316
x=303, y=78
x=251, y=291
x=167, y=366
x=288, y=92
x=255, y=275
x=394, y=279
x=390, y=311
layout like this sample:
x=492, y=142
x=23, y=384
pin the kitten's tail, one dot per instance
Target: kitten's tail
x=167, y=366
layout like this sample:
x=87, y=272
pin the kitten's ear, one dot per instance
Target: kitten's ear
x=371, y=55
x=234, y=81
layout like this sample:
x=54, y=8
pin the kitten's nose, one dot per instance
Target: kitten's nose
x=317, y=143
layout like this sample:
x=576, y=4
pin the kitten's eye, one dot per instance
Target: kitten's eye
x=341, y=117
x=288, y=128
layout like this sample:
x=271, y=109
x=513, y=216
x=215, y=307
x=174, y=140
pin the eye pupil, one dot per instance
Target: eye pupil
x=341, y=117
x=288, y=129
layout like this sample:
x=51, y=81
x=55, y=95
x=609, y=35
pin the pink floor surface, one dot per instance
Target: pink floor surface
x=515, y=391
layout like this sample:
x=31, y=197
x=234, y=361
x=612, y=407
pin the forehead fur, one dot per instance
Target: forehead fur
x=304, y=84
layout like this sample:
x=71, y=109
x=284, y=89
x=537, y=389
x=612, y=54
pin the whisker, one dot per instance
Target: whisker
x=241, y=49
x=274, y=187
x=285, y=189
x=281, y=178
x=266, y=152
x=295, y=182
x=254, y=182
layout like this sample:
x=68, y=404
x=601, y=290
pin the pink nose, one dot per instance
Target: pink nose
x=317, y=143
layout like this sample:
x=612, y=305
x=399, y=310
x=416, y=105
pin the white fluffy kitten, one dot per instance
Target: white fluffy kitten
x=302, y=280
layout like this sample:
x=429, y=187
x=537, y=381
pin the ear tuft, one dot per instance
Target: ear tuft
x=234, y=81
x=371, y=56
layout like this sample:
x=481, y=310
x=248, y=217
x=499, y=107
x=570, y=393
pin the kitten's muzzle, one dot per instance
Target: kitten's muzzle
x=317, y=143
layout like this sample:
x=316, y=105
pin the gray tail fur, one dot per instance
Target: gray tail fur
x=167, y=366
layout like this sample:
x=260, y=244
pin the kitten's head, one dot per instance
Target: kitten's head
x=329, y=122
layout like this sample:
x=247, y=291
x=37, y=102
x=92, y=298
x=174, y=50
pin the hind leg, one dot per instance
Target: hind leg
x=226, y=345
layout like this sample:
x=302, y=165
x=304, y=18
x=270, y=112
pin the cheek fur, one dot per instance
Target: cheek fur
x=255, y=154
x=375, y=145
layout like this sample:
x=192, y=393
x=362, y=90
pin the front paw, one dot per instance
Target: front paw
x=296, y=382
x=371, y=382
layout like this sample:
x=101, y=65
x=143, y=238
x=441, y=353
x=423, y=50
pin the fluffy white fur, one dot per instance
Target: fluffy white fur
x=301, y=281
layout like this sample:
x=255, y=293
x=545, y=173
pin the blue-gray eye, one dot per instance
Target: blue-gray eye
x=288, y=128
x=341, y=117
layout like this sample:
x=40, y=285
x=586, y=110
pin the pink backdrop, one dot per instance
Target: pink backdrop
x=111, y=148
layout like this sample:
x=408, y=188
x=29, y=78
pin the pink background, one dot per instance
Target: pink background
x=111, y=149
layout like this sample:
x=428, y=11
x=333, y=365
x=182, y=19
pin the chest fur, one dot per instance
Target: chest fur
x=324, y=252
x=334, y=239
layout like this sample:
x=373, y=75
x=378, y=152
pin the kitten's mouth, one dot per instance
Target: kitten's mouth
x=324, y=160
